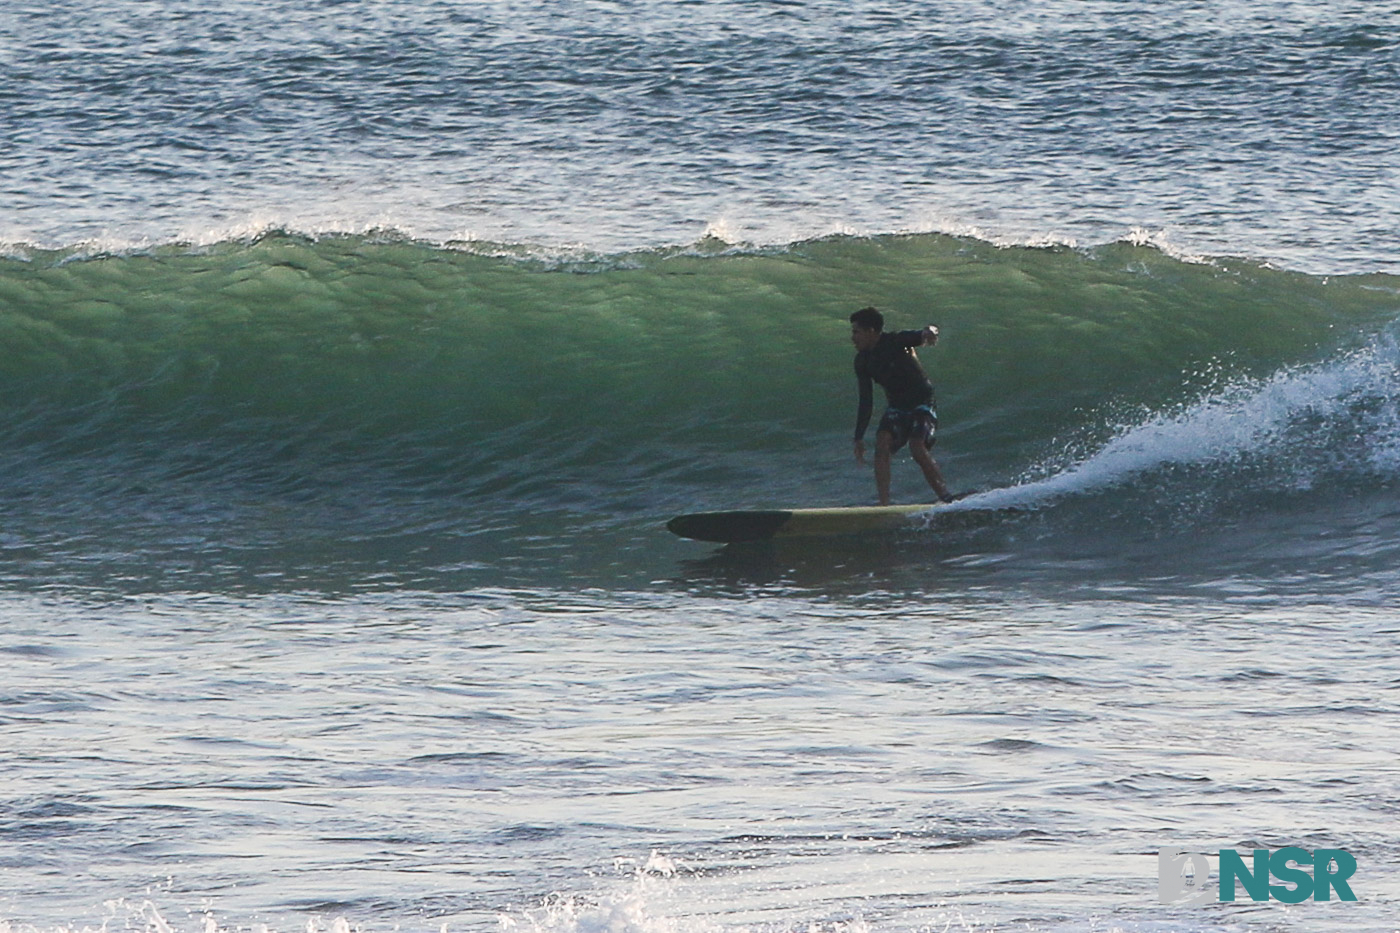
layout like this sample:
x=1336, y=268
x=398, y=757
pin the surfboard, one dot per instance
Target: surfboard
x=732, y=527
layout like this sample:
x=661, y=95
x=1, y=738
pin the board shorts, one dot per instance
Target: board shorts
x=906, y=424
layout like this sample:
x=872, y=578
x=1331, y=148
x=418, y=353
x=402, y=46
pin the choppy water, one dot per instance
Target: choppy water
x=1265, y=129
x=352, y=356
x=684, y=760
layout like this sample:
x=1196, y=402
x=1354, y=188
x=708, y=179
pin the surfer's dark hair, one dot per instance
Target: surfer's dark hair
x=868, y=319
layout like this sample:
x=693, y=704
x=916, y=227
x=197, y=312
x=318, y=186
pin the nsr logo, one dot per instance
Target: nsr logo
x=1183, y=878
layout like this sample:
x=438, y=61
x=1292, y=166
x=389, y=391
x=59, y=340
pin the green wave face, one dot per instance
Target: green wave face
x=371, y=368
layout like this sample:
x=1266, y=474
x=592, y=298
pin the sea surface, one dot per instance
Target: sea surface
x=354, y=353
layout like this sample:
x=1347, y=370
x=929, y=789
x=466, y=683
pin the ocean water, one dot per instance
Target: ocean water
x=354, y=354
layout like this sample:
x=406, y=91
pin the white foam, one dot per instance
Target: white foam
x=1245, y=418
x=607, y=229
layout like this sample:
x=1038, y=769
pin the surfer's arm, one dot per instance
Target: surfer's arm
x=919, y=338
x=864, y=409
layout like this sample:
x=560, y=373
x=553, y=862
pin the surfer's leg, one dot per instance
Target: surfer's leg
x=920, y=447
x=884, y=440
x=931, y=471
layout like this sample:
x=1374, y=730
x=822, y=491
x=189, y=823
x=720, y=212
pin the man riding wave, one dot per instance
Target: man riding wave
x=910, y=417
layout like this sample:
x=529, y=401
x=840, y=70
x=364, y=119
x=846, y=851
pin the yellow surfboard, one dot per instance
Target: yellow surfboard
x=731, y=527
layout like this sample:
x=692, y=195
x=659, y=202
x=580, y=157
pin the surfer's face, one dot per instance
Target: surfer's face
x=863, y=337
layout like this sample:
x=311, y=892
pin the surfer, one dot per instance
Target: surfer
x=910, y=417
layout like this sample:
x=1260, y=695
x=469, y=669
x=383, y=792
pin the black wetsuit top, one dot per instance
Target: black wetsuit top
x=892, y=363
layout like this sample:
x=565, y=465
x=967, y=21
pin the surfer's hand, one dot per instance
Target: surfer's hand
x=860, y=451
x=930, y=335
